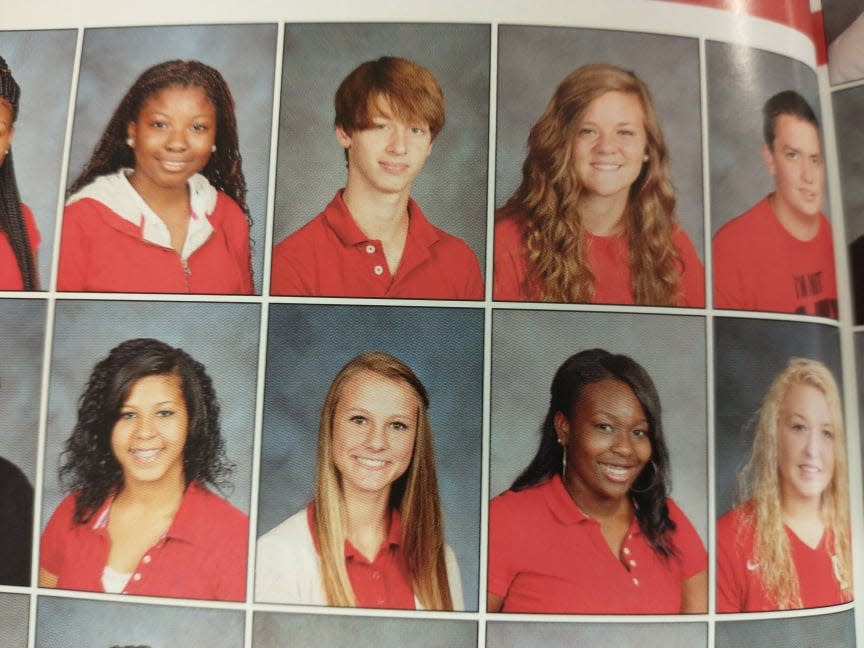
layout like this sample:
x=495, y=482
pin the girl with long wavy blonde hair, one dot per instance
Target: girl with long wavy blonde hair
x=788, y=546
x=594, y=217
x=376, y=502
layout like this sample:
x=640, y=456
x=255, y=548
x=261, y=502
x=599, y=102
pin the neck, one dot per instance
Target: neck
x=599, y=508
x=368, y=520
x=160, y=199
x=163, y=494
x=801, y=509
x=602, y=216
x=380, y=216
x=803, y=227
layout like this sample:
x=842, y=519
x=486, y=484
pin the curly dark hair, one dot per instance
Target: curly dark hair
x=223, y=170
x=11, y=214
x=90, y=468
x=651, y=487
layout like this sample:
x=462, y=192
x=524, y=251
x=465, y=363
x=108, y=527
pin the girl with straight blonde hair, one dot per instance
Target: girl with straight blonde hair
x=787, y=545
x=594, y=217
x=373, y=536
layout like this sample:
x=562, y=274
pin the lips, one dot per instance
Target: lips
x=145, y=455
x=620, y=474
x=373, y=464
x=173, y=166
x=393, y=167
x=605, y=166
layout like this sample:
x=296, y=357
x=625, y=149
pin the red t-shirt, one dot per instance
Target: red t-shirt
x=10, y=273
x=546, y=555
x=609, y=260
x=202, y=555
x=739, y=584
x=758, y=265
x=331, y=257
x=385, y=582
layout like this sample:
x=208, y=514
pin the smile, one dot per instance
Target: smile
x=393, y=167
x=374, y=464
x=173, y=166
x=605, y=166
x=146, y=455
x=809, y=469
x=618, y=474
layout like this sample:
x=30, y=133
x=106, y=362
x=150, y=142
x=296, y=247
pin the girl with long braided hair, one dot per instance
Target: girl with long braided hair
x=161, y=205
x=19, y=237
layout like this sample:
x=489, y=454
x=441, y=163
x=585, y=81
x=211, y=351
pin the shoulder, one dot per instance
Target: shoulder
x=11, y=475
x=63, y=517
x=514, y=505
x=508, y=230
x=735, y=522
x=219, y=512
x=756, y=217
x=298, y=241
x=290, y=535
x=226, y=209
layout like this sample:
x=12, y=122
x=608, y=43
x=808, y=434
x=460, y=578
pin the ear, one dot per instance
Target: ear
x=131, y=130
x=343, y=138
x=11, y=134
x=562, y=428
x=768, y=158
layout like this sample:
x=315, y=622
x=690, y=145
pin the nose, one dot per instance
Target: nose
x=145, y=427
x=623, y=444
x=604, y=142
x=376, y=437
x=813, y=444
x=397, y=140
x=808, y=171
x=176, y=139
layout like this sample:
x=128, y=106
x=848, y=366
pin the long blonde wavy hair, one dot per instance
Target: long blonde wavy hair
x=547, y=201
x=759, y=482
x=414, y=494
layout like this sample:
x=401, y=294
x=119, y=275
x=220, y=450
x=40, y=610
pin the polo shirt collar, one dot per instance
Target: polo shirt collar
x=566, y=511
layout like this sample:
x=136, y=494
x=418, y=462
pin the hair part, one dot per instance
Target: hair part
x=651, y=487
x=90, y=468
x=759, y=482
x=415, y=495
x=789, y=103
x=11, y=213
x=223, y=170
x=546, y=202
x=408, y=89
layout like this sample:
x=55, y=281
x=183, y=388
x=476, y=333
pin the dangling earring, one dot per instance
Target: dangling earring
x=213, y=149
x=563, y=460
x=130, y=142
x=653, y=480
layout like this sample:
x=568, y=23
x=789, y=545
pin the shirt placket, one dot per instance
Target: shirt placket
x=376, y=263
x=144, y=567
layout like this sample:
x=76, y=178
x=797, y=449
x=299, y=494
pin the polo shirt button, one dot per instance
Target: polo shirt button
x=378, y=270
x=626, y=551
x=136, y=577
x=636, y=581
x=376, y=575
x=370, y=249
x=632, y=563
x=380, y=601
x=146, y=559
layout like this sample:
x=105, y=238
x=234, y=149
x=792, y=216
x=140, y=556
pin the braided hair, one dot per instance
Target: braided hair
x=223, y=170
x=11, y=214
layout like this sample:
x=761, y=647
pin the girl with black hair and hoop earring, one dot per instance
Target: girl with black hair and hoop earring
x=587, y=527
x=19, y=237
x=161, y=205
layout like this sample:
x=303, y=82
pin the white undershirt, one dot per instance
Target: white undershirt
x=113, y=581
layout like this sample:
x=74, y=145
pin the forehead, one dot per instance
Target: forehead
x=612, y=395
x=155, y=385
x=805, y=399
x=178, y=96
x=796, y=133
x=615, y=105
x=381, y=106
x=371, y=389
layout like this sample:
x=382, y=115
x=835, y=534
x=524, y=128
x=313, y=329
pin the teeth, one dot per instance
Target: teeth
x=145, y=454
x=812, y=469
x=370, y=463
x=605, y=167
x=620, y=471
x=173, y=166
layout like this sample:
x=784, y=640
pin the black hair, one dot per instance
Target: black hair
x=11, y=213
x=90, y=468
x=787, y=102
x=651, y=487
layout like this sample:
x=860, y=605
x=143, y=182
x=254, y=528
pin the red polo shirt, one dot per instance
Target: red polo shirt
x=10, y=273
x=385, y=582
x=546, y=555
x=202, y=555
x=331, y=257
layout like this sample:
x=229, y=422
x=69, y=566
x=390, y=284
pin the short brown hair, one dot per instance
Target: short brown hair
x=410, y=90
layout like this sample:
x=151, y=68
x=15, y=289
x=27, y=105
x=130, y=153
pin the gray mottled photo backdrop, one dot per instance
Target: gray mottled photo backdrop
x=245, y=55
x=596, y=635
x=823, y=630
x=223, y=337
x=532, y=61
x=740, y=80
x=14, y=612
x=41, y=62
x=73, y=623
x=451, y=188
x=306, y=348
x=529, y=346
x=23, y=325
x=274, y=630
x=848, y=109
x=748, y=354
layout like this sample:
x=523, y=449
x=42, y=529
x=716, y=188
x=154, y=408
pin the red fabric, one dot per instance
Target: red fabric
x=758, y=265
x=202, y=555
x=331, y=257
x=739, y=585
x=10, y=273
x=607, y=256
x=546, y=555
x=386, y=581
x=102, y=252
x=792, y=13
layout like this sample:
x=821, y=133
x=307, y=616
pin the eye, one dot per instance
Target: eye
x=828, y=434
x=165, y=413
x=126, y=416
x=200, y=128
x=627, y=132
x=792, y=155
x=639, y=432
x=586, y=131
x=604, y=427
x=159, y=123
x=418, y=130
x=399, y=425
x=358, y=419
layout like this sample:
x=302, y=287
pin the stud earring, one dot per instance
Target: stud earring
x=130, y=142
x=646, y=157
x=213, y=149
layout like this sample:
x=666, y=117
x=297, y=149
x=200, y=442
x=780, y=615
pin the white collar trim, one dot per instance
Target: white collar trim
x=117, y=193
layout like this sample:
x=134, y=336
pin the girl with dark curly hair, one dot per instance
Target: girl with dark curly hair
x=161, y=205
x=139, y=518
x=19, y=237
x=588, y=527
x=594, y=217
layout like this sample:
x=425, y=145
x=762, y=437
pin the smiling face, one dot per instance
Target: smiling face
x=173, y=139
x=374, y=429
x=805, y=444
x=795, y=161
x=610, y=145
x=606, y=442
x=150, y=433
x=6, y=128
x=385, y=157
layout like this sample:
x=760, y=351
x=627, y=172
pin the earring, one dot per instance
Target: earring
x=130, y=142
x=213, y=149
x=646, y=157
x=563, y=459
x=653, y=480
